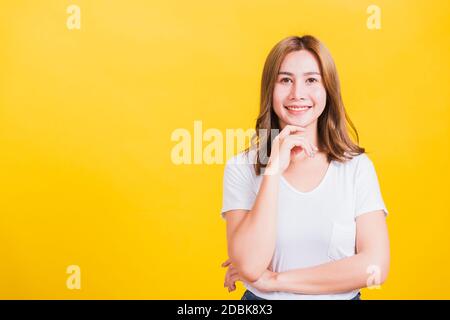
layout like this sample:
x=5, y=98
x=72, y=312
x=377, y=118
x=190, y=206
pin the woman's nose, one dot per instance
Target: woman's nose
x=298, y=91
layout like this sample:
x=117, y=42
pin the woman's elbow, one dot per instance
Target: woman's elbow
x=378, y=270
x=250, y=277
x=249, y=274
x=250, y=271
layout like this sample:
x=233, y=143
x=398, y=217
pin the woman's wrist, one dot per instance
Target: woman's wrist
x=272, y=171
x=278, y=281
x=275, y=282
x=273, y=168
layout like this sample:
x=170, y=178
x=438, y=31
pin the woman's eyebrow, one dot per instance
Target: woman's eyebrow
x=305, y=74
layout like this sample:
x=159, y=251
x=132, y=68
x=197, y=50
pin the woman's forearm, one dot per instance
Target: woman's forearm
x=358, y=271
x=253, y=243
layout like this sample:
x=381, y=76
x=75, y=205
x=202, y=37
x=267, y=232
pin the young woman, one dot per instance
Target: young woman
x=304, y=212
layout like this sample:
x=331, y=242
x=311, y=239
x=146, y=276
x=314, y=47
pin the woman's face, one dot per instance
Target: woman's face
x=299, y=96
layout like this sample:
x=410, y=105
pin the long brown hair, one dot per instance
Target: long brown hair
x=333, y=138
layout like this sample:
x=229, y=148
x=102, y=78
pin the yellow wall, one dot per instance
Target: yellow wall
x=86, y=118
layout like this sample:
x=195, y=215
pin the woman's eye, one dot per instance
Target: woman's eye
x=311, y=80
x=285, y=80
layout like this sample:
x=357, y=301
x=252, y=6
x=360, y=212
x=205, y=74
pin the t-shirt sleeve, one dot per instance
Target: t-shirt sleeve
x=367, y=193
x=238, y=187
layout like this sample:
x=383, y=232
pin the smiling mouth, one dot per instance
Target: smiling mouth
x=298, y=108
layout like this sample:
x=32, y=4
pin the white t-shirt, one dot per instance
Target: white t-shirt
x=313, y=227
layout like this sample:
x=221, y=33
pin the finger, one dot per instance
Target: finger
x=292, y=128
x=298, y=134
x=234, y=278
x=300, y=142
x=226, y=263
x=308, y=146
x=231, y=267
x=233, y=273
x=227, y=276
x=231, y=286
x=227, y=280
x=289, y=129
x=314, y=148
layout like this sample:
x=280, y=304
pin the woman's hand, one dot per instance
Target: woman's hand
x=285, y=147
x=265, y=283
x=231, y=276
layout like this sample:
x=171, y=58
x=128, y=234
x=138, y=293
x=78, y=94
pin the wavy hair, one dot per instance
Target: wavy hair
x=333, y=138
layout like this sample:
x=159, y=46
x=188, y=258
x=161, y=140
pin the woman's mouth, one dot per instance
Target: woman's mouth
x=297, y=109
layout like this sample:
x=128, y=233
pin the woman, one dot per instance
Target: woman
x=305, y=215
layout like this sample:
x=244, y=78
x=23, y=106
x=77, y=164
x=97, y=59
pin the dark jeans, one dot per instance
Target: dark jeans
x=248, y=295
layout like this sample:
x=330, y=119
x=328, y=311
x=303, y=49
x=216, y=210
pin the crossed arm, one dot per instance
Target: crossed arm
x=368, y=267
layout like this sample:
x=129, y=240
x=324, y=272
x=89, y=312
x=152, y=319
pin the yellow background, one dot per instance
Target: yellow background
x=86, y=118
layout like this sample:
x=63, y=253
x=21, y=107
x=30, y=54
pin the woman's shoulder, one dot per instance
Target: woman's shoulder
x=243, y=162
x=361, y=160
x=247, y=157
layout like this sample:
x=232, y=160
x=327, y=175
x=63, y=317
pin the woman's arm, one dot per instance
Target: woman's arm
x=370, y=266
x=252, y=243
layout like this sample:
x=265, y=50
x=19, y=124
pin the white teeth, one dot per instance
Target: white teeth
x=297, y=108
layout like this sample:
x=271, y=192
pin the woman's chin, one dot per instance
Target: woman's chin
x=299, y=123
x=296, y=121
